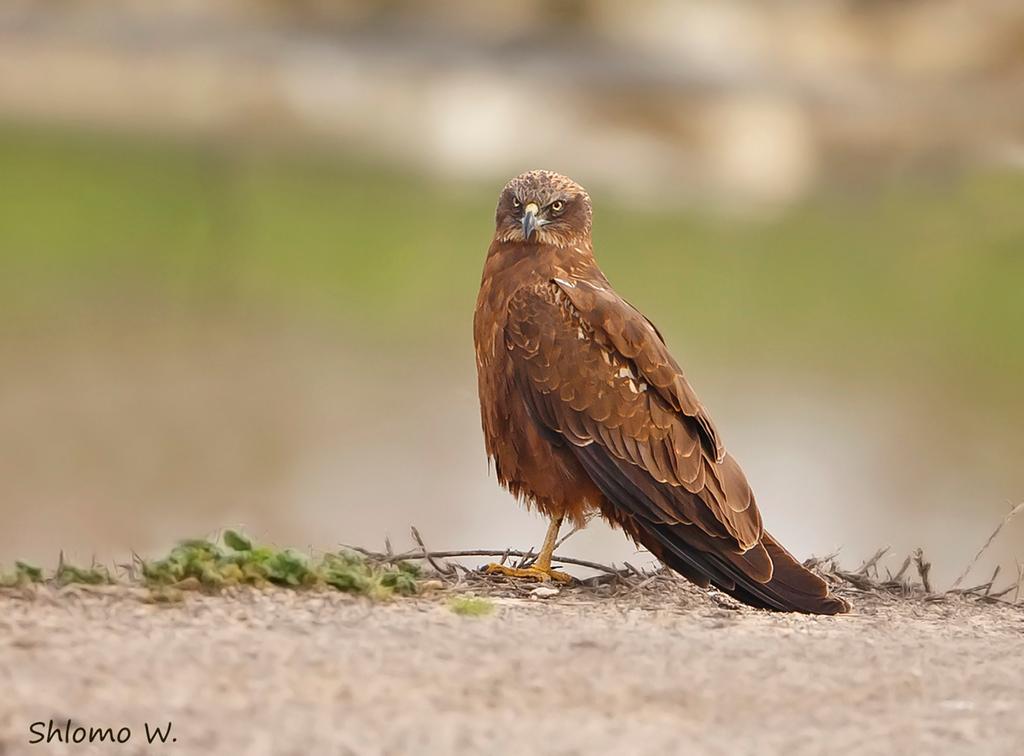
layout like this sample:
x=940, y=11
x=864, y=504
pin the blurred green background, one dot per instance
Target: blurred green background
x=215, y=312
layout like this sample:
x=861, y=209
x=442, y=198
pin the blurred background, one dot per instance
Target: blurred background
x=240, y=244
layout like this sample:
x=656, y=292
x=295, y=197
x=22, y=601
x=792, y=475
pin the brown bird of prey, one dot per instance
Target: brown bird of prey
x=584, y=410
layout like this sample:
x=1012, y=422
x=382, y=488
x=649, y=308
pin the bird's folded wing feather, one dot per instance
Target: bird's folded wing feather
x=593, y=369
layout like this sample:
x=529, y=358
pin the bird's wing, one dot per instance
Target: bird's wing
x=594, y=372
x=593, y=369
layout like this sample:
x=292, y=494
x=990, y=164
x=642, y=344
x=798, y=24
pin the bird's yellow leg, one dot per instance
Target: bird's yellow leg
x=541, y=568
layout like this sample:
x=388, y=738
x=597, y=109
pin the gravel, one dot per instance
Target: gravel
x=284, y=672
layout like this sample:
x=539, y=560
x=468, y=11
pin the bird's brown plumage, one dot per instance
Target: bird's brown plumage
x=584, y=409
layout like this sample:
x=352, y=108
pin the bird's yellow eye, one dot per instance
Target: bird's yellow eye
x=557, y=206
x=515, y=202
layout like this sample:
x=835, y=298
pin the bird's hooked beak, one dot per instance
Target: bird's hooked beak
x=530, y=221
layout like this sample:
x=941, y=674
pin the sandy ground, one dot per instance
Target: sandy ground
x=278, y=672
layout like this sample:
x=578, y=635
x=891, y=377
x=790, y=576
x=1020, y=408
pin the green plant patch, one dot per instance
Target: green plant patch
x=69, y=574
x=200, y=564
x=66, y=574
x=238, y=561
x=471, y=606
x=23, y=574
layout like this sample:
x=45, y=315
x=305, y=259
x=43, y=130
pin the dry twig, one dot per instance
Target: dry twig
x=420, y=554
x=863, y=570
x=906, y=566
x=1009, y=516
x=923, y=568
x=443, y=569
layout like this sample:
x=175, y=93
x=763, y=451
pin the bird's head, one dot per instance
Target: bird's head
x=541, y=207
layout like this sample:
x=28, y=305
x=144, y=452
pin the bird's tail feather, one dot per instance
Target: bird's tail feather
x=791, y=587
x=803, y=589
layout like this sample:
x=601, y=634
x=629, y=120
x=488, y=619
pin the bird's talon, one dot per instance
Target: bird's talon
x=533, y=573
